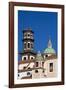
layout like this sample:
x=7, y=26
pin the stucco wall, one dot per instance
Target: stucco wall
x=40, y=73
x=47, y=69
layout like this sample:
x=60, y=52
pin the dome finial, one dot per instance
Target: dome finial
x=49, y=44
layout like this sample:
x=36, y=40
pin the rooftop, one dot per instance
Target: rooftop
x=28, y=30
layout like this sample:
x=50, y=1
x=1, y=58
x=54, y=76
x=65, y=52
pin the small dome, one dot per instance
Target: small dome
x=49, y=49
x=39, y=56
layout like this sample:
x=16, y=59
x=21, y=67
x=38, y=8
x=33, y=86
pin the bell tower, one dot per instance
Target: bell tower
x=28, y=45
x=28, y=40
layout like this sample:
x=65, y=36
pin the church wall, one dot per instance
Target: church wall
x=39, y=74
x=47, y=68
x=39, y=63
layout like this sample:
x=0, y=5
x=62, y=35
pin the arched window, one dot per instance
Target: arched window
x=28, y=35
x=36, y=64
x=31, y=57
x=28, y=67
x=28, y=73
x=51, y=67
x=18, y=75
x=31, y=45
x=43, y=71
x=24, y=58
x=46, y=55
x=42, y=64
x=28, y=45
x=32, y=36
x=24, y=67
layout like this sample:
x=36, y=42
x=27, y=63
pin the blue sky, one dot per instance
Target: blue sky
x=44, y=25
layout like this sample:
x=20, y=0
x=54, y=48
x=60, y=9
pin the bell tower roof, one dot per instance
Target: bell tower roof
x=28, y=30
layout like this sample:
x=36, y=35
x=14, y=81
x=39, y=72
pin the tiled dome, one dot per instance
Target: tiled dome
x=49, y=49
x=39, y=56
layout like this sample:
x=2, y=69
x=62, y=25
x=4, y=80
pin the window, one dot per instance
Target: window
x=28, y=35
x=24, y=58
x=28, y=45
x=46, y=55
x=31, y=35
x=24, y=45
x=31, y=57
x=31, y=45
x=28, y=67
x=43, y=71
x=28, y=73
x=42, y=64
x=36, y=64
x=24, y=67
x=51, y=67
x=18, y=75
x=36, y=71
